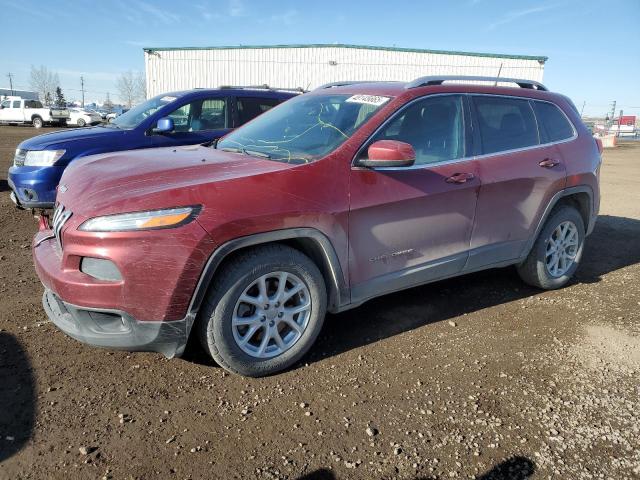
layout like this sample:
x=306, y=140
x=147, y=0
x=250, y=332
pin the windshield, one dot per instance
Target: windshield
x=305, y=128
x=135, y=116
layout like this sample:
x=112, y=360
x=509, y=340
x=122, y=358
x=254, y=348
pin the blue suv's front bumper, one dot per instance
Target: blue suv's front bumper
x=34, y=187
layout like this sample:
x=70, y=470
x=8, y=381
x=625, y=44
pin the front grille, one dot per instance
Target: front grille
x=18, y=159
x=60, y=217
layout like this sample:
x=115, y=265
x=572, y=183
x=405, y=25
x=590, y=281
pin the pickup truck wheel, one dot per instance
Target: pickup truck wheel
x=557, y=251
x=264, y=311
x=81, y=122
x=37, y=122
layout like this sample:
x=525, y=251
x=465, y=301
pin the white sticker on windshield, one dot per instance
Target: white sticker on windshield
x=376, y=100
x=168, y=99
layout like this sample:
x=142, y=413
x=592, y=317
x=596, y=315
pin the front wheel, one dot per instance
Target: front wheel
x=556, y=254
x=264, y=311
x=81, y=123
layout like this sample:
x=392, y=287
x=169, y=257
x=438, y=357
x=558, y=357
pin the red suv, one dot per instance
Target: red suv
x=349, y=192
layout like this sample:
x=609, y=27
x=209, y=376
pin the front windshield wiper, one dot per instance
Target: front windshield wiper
x=253, y=153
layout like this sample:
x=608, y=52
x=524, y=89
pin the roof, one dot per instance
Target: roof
x=26, y=94
x=540, y=59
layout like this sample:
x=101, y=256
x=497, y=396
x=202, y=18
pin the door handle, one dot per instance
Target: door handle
x=460, y=178
x=548, y=163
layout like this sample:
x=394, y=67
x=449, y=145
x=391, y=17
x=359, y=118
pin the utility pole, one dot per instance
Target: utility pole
x=82, y=87
x=613, y=111
x=582, y=111
x=10, y=75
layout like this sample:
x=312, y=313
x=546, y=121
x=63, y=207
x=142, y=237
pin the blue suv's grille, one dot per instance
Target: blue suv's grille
x=18, y=159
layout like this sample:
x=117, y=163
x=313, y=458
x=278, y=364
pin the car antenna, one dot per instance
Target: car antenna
x=498, y=76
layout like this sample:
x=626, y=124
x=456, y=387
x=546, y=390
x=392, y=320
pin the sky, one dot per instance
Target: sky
x=593, y=46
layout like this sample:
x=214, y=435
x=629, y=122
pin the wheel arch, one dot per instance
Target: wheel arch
x=309, y=241
x=579, y=197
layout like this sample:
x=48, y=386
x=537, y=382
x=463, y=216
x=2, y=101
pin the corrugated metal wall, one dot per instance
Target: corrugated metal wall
x=182, y=69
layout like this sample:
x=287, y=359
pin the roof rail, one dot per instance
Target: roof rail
x=263, y=87
x=344, y=83
x=439, y=80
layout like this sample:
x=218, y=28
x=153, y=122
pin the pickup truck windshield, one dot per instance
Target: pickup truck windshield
x=135, y=116
x=304, y=128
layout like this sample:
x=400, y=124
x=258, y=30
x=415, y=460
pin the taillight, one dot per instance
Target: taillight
x=599, y=144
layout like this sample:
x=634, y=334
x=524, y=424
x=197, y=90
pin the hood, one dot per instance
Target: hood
x=64, y=138
x=153, y=178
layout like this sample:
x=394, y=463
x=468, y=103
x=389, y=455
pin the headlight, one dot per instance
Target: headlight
x=42, y=158
x=124, y=222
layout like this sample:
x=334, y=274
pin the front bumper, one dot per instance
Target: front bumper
x=34, y=187
x=114, y=329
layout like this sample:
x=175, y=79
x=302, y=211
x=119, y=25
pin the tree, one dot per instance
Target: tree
x=44, y=83
x=141, y=87
x=131, y=88
x=108, y=104
x=60, y=100
x=126, y=86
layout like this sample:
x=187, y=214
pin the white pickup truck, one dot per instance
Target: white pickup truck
x=20, y=111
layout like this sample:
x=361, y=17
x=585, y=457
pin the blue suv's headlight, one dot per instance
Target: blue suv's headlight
x=42, y=158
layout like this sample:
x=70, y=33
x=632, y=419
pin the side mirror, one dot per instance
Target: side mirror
x=389, y=153
x=165, y=125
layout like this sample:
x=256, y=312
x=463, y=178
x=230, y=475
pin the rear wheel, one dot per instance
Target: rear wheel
x=556, y=254
x=37, y=122
x=264, y=311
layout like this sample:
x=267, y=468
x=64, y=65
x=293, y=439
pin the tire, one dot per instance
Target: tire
x=37, y=122
x=535, y=270
x=221, y=338
x=81, y=123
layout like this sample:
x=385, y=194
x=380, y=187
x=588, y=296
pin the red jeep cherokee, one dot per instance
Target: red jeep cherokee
x=350, y=192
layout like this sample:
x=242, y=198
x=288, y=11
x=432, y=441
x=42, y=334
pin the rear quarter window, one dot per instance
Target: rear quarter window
x=251, y=107
x=553, y=124
x=505, y=123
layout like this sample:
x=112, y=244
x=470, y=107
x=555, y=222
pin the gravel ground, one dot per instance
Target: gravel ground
x=476, y=377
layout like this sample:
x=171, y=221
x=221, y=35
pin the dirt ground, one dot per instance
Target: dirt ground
x=476, y=377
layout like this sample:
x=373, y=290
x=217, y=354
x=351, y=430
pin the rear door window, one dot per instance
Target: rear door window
x=552, y=123
x=250, y=107
x=505, y=123
x=16, y=104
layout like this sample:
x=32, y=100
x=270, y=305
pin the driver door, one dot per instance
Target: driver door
x=411, y=225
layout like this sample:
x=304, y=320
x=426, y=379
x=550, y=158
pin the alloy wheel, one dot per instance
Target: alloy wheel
x=562, y=248
x=271, y=314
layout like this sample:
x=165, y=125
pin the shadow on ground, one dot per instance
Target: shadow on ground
x=514, y=468
x=4, y=185
x=17, y=396
x=613, y=245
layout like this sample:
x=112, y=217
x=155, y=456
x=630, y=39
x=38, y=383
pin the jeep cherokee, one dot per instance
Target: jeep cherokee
x=352, y=191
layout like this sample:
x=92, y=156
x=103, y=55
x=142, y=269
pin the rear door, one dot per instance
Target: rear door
x=410, y=225
x=520, y=172
x=199, y=121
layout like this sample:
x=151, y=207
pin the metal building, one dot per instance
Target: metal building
x=308, y=66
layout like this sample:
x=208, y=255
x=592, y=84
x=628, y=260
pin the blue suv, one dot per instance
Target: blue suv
x=171, y=119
